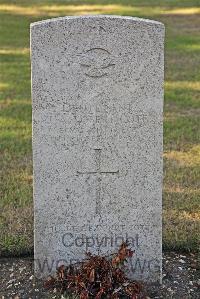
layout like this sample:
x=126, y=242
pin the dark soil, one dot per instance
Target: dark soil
x=181, y=279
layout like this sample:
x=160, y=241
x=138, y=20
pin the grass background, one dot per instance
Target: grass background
x=181, y=194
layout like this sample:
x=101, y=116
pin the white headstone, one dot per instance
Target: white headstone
x=97, y=91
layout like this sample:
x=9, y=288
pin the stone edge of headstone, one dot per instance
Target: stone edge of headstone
x=135, y=19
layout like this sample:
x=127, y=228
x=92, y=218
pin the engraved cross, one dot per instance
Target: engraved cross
x=98, y=172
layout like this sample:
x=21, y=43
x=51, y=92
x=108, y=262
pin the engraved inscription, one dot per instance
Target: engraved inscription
x=98, y=172
x=97, y=62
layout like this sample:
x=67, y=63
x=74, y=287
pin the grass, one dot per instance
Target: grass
x=181, y=195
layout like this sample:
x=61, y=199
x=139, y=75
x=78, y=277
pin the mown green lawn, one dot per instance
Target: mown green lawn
x=181, y=195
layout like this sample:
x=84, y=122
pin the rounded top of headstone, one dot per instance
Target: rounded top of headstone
x=96, y=17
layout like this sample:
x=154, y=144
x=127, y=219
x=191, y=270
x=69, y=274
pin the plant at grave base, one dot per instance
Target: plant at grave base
x=97, y=277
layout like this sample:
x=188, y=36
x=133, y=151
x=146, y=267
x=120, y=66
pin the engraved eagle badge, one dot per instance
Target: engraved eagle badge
x=97, y=62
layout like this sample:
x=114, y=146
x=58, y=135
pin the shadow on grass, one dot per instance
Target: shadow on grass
x=16, y=238
x=18, y=113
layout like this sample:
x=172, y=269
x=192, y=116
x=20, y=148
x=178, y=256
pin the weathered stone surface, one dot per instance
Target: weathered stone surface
x=97, y=90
